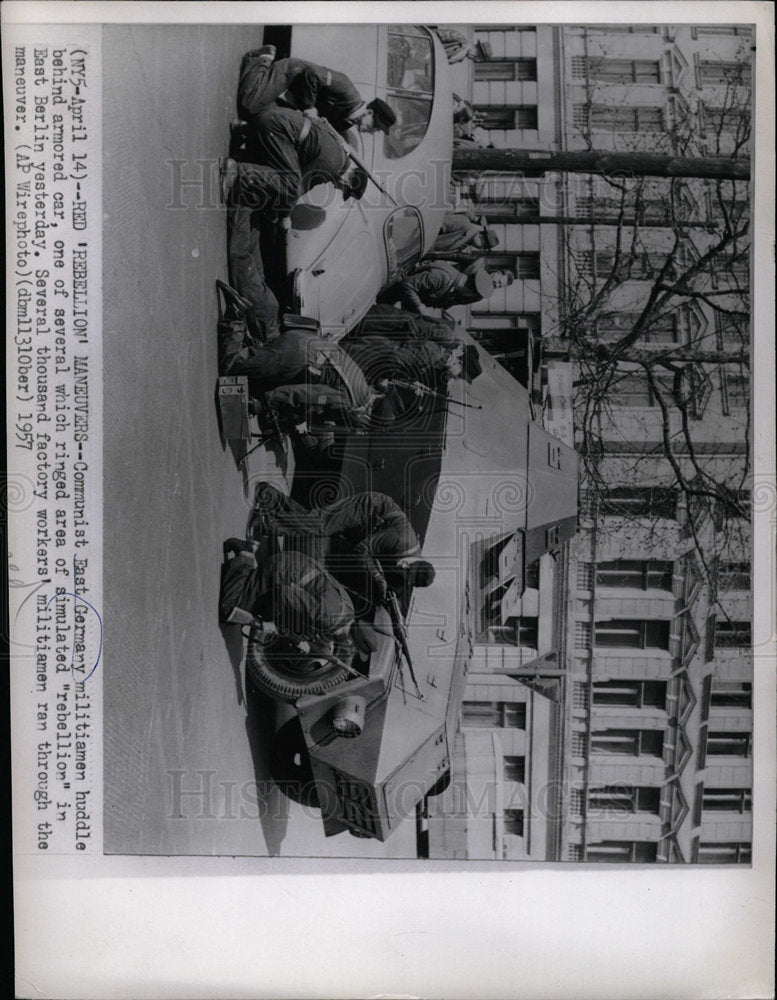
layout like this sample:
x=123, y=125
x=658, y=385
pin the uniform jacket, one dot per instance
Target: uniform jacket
x=437, y=284
x=298, y=151
x=457, y=231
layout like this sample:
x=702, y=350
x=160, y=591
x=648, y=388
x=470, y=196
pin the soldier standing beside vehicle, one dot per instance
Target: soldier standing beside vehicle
x=441, y=284
x=462, y=237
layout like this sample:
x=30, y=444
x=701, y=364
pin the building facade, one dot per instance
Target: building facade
x=634, y=739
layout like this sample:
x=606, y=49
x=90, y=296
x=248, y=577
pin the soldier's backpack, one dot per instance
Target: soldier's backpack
x=307, y=600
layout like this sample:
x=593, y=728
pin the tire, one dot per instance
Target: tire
x=290, y=765
x=287, y=678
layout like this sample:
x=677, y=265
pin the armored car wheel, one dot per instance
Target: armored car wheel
x=290, y=765
x=279, y=670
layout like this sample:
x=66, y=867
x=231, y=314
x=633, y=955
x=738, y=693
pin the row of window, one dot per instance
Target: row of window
x=624, y=71
x=642, y=851
x=652, y=694
x=653, y=633
x=632, y=390
x=653, y=574
x=715, y=120
x=622, y=694
x=647, y=799
x=645, y=501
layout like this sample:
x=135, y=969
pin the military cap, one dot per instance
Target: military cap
x=383, y=114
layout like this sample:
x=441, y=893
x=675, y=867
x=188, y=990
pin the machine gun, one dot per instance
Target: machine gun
x=400, y=634
x=419, y=387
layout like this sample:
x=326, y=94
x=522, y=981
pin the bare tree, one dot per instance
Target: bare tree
x=654, y=312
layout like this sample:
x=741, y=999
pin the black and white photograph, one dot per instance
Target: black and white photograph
x=483, y=360
x=389, y=479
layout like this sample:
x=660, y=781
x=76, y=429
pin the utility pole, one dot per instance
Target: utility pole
x=592, y=161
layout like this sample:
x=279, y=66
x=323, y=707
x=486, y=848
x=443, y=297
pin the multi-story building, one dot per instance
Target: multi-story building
x=627, y=736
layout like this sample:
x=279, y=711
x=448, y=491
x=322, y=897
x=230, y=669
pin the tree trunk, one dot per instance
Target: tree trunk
x=592, y=161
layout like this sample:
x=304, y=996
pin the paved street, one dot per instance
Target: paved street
x=176, y=718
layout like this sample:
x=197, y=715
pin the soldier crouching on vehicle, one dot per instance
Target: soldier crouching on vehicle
x=288, y=153
x=366, y=541
x=301, y=609
x=307, y=87
x=298, y=376
x=411, y=375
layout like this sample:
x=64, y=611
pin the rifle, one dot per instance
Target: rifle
x=415, y=386
x=400, y=634
x=358, y=161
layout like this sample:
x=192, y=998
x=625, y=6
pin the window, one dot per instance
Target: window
x=734, y=576
x=410, y=82
x=630, y=694
x=403, y=237
x=413, y=116
x=732, y=635
x=644, y=210
x=506, y=69
x=506, y=210
x=640, y=501
x=740, y=31
x=727, y=800
x=724, y=853
x=522, y=631
x=735, y=389
x=522, y=117
x=515, y=769
x=735, y=211
x=494, y=714
x=624, y=70
x=663, y=329
x=623, y=29
x=632, y=633
x=717, y=72
x=527, y=266
x=530, y=321
x=728, y=744
x=643, y=574
x=619, y=118
x=632, y=389
x=410, y=59
x=728, y=121
x=638, y=851
x=634, y=267
x=731, y=694
x=513, y=820
x=630, y=742
x=624, y=799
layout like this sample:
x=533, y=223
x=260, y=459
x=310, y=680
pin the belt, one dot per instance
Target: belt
x=307, y=125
